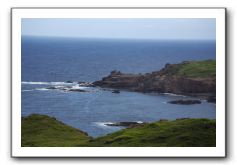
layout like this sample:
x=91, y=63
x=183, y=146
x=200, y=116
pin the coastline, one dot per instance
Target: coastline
x=173, y=78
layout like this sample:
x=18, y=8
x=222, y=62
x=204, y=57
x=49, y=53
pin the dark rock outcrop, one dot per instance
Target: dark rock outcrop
x=51, y=87
x=125, y=124
x=185, y=102
x=77, y=90
x=211, y=99
x=116, y=91
x=164, y=81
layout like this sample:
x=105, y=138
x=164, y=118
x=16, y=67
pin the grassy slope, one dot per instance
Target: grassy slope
x=205, y=68
x=178, y=133
x=40, y=130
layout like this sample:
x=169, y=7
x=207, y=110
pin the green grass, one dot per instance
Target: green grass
x=41, y=130
x=205, y=68
x=178, y=133
x=44, y=131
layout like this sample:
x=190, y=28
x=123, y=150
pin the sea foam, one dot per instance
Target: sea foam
x=46, y=83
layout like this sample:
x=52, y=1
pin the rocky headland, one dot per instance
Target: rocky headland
x=193, y=78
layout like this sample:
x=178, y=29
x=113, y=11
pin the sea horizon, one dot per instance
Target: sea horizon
x=117, y=39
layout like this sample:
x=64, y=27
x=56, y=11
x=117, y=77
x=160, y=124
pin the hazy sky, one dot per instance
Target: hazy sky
x=194, y=28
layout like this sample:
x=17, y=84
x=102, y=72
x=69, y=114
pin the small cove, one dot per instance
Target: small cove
x=90, y=111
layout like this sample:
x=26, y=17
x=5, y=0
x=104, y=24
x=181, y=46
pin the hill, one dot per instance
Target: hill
x=45, y=131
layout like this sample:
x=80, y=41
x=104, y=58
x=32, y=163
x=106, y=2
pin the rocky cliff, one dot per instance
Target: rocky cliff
x=197, y=78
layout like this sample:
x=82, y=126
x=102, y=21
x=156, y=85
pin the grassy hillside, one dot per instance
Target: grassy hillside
x=205, y=68
x=178, y=133
x=41, y=130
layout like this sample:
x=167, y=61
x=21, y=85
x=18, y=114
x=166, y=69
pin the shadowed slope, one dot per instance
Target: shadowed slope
x=44, y=131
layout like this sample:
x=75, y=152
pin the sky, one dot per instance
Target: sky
x=122, y=28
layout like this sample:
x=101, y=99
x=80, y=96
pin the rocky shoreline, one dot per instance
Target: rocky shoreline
x=180, y=79
x=185, y=102
x=167, y=80
x=125, y=124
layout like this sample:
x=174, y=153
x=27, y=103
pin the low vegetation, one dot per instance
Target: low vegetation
x=205, y=68
x=41, y=130
x=45, y=131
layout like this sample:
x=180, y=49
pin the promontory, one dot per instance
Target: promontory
x=193, y=78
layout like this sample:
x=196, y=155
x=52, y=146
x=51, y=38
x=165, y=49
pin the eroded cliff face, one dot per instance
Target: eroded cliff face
x=164, y=81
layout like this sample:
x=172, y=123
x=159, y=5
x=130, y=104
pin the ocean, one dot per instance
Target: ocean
x=51, y=62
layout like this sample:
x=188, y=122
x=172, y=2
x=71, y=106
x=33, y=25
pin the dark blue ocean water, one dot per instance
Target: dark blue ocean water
x=52, y=61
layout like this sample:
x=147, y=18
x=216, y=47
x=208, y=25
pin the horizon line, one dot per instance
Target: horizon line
x=122, y=38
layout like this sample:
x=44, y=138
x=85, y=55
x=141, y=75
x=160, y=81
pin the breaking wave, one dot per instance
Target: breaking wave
x=172, y=94
x=63, y=86
x=46, y=83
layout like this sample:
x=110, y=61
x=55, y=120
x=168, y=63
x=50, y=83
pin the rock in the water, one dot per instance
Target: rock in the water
x=211, y=99
x=185, y=102
x=81, y=82
x=124, y=124
x=52, y=87
x=116, y=91
x=69, y=82
x=77, y=90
